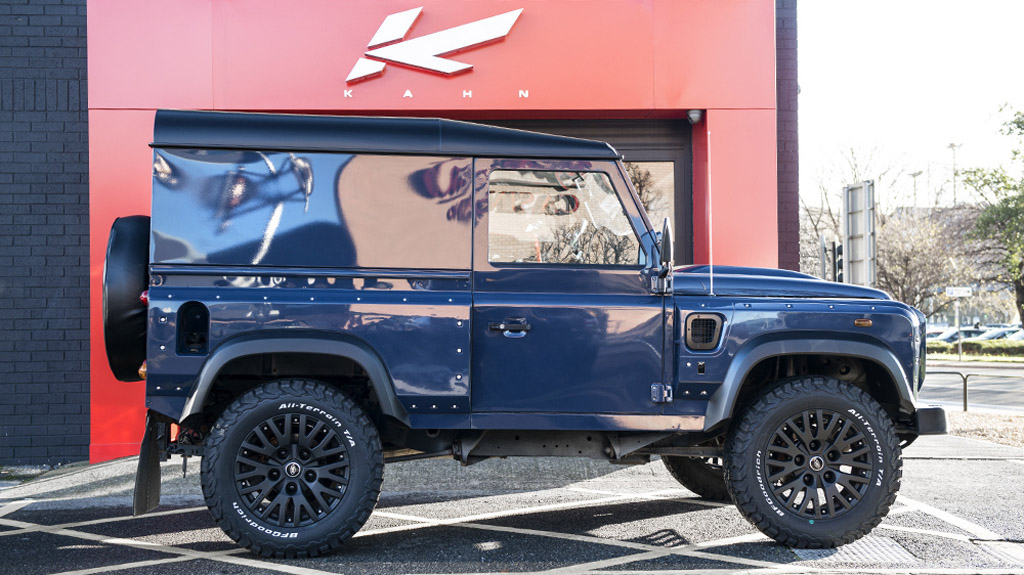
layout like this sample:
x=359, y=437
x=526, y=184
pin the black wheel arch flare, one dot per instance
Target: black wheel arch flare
x=338, y=345
x=723, y=403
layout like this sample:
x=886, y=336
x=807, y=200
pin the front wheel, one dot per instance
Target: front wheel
x=813, y=462
x=292, y=469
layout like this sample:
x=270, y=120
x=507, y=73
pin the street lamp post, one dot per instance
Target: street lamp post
x=954, y=148
x=915, y=175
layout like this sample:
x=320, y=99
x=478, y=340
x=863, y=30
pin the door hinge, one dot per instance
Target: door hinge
x=661, y=393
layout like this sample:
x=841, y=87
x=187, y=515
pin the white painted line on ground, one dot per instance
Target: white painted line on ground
x=955, y=536
x=508, y=512
x=870, y=550
x=36, y=527
x=471, y=522
x=126, y=566
x=220, y=556
x=1007, y=551
x=972, y=528
x=737, y=540
x=656, y=495
x=605, y=563
x=858, y=570
x=684, y=550
x=14, y=506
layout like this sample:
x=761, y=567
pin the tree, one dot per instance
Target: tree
x=918, y=251
x=1001, y=221
x=915, y=261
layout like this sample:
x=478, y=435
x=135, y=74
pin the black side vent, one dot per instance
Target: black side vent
x=703, y=331
x=193, y=329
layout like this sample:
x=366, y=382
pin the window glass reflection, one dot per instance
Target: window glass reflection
x=558, y=217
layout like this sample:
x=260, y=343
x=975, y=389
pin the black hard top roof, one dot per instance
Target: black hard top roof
x=417, y=136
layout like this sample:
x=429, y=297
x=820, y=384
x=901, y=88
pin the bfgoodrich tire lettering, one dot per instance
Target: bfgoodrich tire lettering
x=292, y=469
x=813, y=462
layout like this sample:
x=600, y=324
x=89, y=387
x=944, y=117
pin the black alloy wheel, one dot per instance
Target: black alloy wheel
x=813, y=462
x=819, y=464
x=292, y=468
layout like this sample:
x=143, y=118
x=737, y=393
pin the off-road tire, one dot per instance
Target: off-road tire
x=125, y=277
x=703, y=476
x=272, y=460
x=857, y=436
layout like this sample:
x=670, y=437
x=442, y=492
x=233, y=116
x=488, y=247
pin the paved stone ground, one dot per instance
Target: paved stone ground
x=961, y=509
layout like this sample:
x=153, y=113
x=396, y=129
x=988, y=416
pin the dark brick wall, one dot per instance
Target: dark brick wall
x=44, y=242
x=787, y=90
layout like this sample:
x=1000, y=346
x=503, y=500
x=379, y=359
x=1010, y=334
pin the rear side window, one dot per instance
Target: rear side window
x=558, y=217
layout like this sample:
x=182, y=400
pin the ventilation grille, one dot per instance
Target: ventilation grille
x=703, y=331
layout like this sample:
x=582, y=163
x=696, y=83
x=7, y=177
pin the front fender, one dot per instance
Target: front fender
x=306, y=342
x=722, y=403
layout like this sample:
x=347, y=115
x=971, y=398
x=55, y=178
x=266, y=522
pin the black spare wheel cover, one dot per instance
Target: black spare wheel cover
x=125, y=277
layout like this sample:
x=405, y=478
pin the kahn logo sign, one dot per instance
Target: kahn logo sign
x=389, y=45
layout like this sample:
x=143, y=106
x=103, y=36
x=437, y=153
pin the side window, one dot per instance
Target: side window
x=554, y=217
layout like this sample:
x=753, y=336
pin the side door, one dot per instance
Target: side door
x=564, y=316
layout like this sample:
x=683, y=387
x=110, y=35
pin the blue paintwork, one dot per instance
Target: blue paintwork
x=392, y=251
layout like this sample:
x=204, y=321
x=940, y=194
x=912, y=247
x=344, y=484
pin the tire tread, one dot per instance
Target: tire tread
x=739, y=465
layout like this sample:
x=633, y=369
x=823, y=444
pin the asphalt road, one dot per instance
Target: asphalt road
x=961, y=509
x=995, y=387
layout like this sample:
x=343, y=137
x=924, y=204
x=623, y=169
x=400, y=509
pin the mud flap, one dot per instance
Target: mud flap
x=147, y=477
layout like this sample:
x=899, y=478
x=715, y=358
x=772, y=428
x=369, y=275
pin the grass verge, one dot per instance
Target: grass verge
x=994, y=427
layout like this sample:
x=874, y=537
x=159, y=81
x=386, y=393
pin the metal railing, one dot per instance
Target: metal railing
x=965, y=377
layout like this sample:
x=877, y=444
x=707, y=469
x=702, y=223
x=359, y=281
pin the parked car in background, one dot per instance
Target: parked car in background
x=994, y=334
x=950, y=335
x=1016, y=336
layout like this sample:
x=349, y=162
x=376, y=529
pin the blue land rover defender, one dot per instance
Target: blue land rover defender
x=314, y=297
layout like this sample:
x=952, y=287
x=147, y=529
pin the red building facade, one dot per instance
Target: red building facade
x=688, y=90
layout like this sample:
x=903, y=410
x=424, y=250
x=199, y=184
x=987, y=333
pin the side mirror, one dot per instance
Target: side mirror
x=668, y=256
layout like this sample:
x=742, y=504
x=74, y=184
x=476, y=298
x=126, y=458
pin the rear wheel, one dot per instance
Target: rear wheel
x=292, y=469
x=813, y=462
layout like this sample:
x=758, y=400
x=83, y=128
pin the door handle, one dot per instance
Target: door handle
x=513, y=328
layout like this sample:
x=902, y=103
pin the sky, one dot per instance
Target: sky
x=897, y=82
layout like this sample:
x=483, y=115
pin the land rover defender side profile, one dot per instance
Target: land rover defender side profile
x=315, y=297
